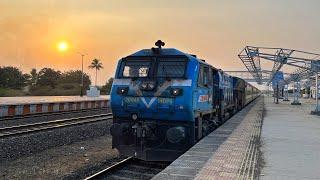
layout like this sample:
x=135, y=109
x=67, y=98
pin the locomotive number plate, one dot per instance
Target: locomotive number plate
x=131, y=100
x=165, y=101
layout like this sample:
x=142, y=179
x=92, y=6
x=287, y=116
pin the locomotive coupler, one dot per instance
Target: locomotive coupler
x=139, y=130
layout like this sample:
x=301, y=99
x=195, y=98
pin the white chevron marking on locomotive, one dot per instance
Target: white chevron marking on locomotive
x=148, y=105
x=178, y=82
x=121, y=82
x=162, y=88
x=174, y=82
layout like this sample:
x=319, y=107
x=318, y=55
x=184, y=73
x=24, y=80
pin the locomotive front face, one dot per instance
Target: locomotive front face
x=151, y=88
x=151, y=101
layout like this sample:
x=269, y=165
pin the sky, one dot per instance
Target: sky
x=215, y=30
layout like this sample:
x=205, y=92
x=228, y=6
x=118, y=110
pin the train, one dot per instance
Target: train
x=164, y=101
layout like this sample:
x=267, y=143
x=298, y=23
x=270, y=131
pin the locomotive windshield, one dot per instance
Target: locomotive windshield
x=135, y=69
x=171, y=68
x=164, y=68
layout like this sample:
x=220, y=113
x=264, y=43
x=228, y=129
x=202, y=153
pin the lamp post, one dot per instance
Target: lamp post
x=81, y=85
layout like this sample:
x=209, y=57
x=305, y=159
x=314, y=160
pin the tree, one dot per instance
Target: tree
x=12, y=77
x=48, y=77
x=75, y=77
x=107, y=88
x=33, y=77
x=96, y=64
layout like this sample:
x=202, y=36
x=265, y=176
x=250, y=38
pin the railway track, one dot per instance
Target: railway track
x=129, y=169
x=34, y=127
x=47, y=114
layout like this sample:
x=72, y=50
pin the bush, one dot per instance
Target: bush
x=11, y=92
x=67, y=89
x=68, y=86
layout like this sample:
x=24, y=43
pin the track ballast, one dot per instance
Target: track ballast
x=34, y=127
x=129, y=169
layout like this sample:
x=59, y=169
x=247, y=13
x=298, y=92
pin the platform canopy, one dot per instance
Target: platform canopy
x=295, y=65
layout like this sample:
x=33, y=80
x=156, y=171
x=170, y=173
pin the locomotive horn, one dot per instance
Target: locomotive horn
x=159, y=43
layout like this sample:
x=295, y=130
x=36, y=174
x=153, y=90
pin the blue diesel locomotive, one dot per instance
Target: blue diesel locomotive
x=163, y=101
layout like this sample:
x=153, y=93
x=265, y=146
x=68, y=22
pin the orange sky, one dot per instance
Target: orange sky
x=215, y=30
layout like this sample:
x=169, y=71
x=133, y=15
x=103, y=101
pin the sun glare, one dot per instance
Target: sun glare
x=62, y=46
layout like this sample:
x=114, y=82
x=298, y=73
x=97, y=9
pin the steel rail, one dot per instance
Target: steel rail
x=110, y=168
x=130, y=168
x=8, y=118
x=28, y=128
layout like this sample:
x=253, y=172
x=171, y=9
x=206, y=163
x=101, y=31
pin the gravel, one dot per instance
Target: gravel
x=73, y=161
x=14, y=147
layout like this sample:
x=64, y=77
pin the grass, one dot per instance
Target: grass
x=4, y=92
x=63, y=89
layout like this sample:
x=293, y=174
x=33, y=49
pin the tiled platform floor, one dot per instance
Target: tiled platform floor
x=291, y=141
x=230, y=152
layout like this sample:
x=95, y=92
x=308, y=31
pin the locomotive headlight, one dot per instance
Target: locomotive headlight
x=147, y=86
x=144, y=86
x=122, y=90
x=176, y=92
x=151, y=85
x=134, y=116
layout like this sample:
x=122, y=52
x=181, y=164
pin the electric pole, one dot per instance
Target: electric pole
x=81, y=85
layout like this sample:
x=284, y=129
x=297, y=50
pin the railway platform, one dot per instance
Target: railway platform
x=229, y=152
x=263, y=141
x=291, y=141
x=19, y=106
x=47, y=99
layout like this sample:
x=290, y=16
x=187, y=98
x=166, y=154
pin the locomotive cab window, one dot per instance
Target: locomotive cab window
x=171, y=68
x=204, y=78
x=135, y=69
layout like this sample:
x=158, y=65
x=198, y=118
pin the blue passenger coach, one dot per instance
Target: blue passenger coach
x=163, y=101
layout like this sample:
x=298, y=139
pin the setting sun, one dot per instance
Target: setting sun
x=62, y=46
